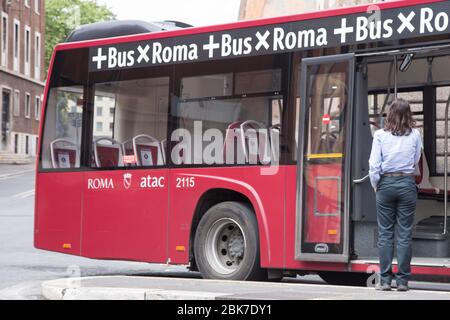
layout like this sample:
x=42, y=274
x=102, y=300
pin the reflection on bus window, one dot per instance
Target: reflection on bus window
x=328, y=98
x=63, y=128
x=130, y=123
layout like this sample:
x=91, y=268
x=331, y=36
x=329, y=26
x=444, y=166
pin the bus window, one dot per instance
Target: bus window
x=258, y=81
x=442, y=98
x=130, y=123
x=379, y=105
x=218, y=85
x=63, y=128
x=253, y=101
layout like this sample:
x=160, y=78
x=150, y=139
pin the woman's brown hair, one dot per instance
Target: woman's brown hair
x=399, y=120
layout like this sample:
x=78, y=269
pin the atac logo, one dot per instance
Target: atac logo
x=127, y=180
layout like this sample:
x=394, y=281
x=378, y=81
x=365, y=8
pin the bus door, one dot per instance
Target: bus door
x=323, y=176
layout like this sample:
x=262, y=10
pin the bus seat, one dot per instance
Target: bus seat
x=148, y=151
x=423, y=180
x=255, y=147
x=64, y=154
x=127, y=148
x=274, y=143
x=252, y=147
x=232, y=141
x=163, y=150
x=107, y=153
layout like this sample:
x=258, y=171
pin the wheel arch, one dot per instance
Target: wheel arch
x=209, y=199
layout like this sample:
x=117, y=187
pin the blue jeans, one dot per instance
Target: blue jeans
x=396, y=205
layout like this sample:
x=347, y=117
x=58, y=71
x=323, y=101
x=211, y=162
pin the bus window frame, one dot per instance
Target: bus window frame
x=280, y=61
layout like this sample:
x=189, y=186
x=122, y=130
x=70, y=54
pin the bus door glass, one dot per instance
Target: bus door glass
x=322, y=206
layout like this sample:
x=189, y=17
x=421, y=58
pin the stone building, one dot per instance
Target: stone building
x=253, y=9
x=22, y=74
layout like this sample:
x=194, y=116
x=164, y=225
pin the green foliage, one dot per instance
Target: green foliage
x=63, y=16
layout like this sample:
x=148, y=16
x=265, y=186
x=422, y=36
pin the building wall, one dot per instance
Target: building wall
x=22, y=74
x=254, y=9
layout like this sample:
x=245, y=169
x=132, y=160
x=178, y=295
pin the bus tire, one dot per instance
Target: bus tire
x=355, y=279
x=226, y=244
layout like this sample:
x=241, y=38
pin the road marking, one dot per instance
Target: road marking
x=24, y=195
x=14, y=175
x=30, y=290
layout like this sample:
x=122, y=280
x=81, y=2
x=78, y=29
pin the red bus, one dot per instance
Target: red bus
x=241, y=150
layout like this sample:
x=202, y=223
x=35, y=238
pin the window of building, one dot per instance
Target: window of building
x=27, y=105
x=37, y=6
x=27, y=145
x=16, y=103
x=99, y=127
x=99, y=111
x=16, y=46
x=27, y=53
x=37, y=108
x=4, y=40
x=16, y=143
x=37, y=56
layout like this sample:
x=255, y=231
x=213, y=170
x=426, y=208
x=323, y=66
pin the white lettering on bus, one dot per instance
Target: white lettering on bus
x=373, y=30
x=174, y=54
x=235, y=47
x=152, y=182
x=428, y=24
x=301, y=39
x=120, y=59
x=96, y=184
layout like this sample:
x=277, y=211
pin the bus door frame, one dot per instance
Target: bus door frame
x=345, y=214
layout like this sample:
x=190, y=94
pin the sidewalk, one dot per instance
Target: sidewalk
x=152, y=288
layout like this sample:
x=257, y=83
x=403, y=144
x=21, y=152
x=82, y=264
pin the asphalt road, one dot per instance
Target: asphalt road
x=23, y=268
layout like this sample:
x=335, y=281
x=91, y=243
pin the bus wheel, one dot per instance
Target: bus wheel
x=355, y=279
x=226, y=244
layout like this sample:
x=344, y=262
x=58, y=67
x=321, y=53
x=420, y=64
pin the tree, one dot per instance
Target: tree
x=63, y=16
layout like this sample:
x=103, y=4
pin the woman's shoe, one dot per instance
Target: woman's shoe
x=402, y=287
x=384, y=287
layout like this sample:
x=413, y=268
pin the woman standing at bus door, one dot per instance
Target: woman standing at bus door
x=395, y=153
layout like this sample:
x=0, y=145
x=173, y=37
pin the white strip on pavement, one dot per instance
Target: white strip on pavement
x=24, y=195
x=14, y=174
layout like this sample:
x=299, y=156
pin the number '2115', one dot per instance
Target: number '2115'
x=188, y=182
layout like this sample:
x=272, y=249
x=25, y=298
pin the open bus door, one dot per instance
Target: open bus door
x=323, y=177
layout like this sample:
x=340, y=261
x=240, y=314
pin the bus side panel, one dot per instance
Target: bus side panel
x=125, y=216
x=58, y=212
x=266, y=192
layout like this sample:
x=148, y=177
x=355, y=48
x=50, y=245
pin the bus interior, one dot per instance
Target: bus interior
x=421, y=77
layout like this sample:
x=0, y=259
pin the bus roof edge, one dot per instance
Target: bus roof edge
x=117, y=28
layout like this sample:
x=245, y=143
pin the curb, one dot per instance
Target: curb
x=163, y=288
x=71, y=289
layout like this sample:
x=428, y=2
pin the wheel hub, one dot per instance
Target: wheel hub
x=236, y=246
